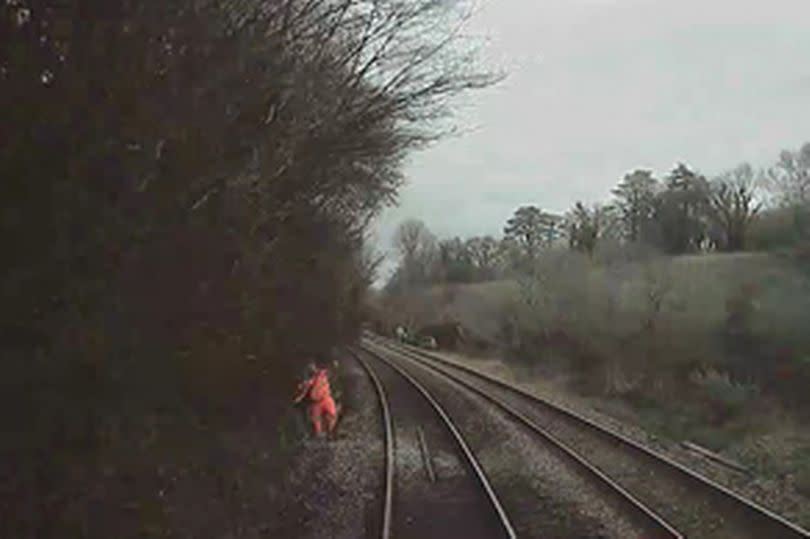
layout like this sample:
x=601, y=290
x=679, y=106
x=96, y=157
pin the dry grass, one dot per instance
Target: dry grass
x=770, y=443
x=695, y=290
x=603, y=308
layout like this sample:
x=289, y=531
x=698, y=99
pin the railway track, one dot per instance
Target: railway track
x=454, y=498
x=694, y=505
x=525, y=504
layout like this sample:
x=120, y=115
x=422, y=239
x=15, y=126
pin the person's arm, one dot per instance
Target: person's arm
x=303, y=389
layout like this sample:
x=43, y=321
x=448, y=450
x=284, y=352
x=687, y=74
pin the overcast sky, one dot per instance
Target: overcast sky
x=599, y=87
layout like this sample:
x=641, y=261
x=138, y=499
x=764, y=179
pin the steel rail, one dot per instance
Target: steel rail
x=663, y=528
x=388, y=429
x=779, y=524
x=460, y=441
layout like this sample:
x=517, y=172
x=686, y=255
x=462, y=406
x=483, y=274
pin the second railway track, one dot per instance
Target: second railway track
x=695, y=505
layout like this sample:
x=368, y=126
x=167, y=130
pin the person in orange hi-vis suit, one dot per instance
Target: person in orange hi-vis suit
x=321, y=404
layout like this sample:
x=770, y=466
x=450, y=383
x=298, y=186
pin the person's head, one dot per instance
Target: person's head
x=312, y=367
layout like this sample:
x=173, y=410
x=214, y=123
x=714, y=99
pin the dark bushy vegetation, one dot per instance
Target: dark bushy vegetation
x=185, y=190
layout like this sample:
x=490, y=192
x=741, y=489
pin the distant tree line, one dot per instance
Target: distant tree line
x=687, y=213
x=683, y=212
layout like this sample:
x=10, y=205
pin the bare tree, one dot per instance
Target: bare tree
x=411, y=237
x=244, y=115
x=485, y=253
x=454, y=262
x=587, y=225
x=416, y=246
x=789, y=179
x=733, y=205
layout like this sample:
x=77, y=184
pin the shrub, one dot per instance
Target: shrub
x=725, y=397
x=803, y=476
x=186, y=186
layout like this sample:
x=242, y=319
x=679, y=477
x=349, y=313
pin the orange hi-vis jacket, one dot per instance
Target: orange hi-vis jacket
x=316, y=387
x=321, y=404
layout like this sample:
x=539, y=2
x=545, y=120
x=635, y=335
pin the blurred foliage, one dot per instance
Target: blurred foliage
x=186, y=189
x=724, y=396
x=646, y=326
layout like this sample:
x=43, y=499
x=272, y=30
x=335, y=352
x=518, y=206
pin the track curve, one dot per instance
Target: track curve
x=749, y=518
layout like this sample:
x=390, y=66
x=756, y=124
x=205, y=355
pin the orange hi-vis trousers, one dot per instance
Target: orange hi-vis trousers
x=320, y=410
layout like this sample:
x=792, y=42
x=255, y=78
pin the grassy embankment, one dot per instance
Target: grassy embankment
x=709, y=348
